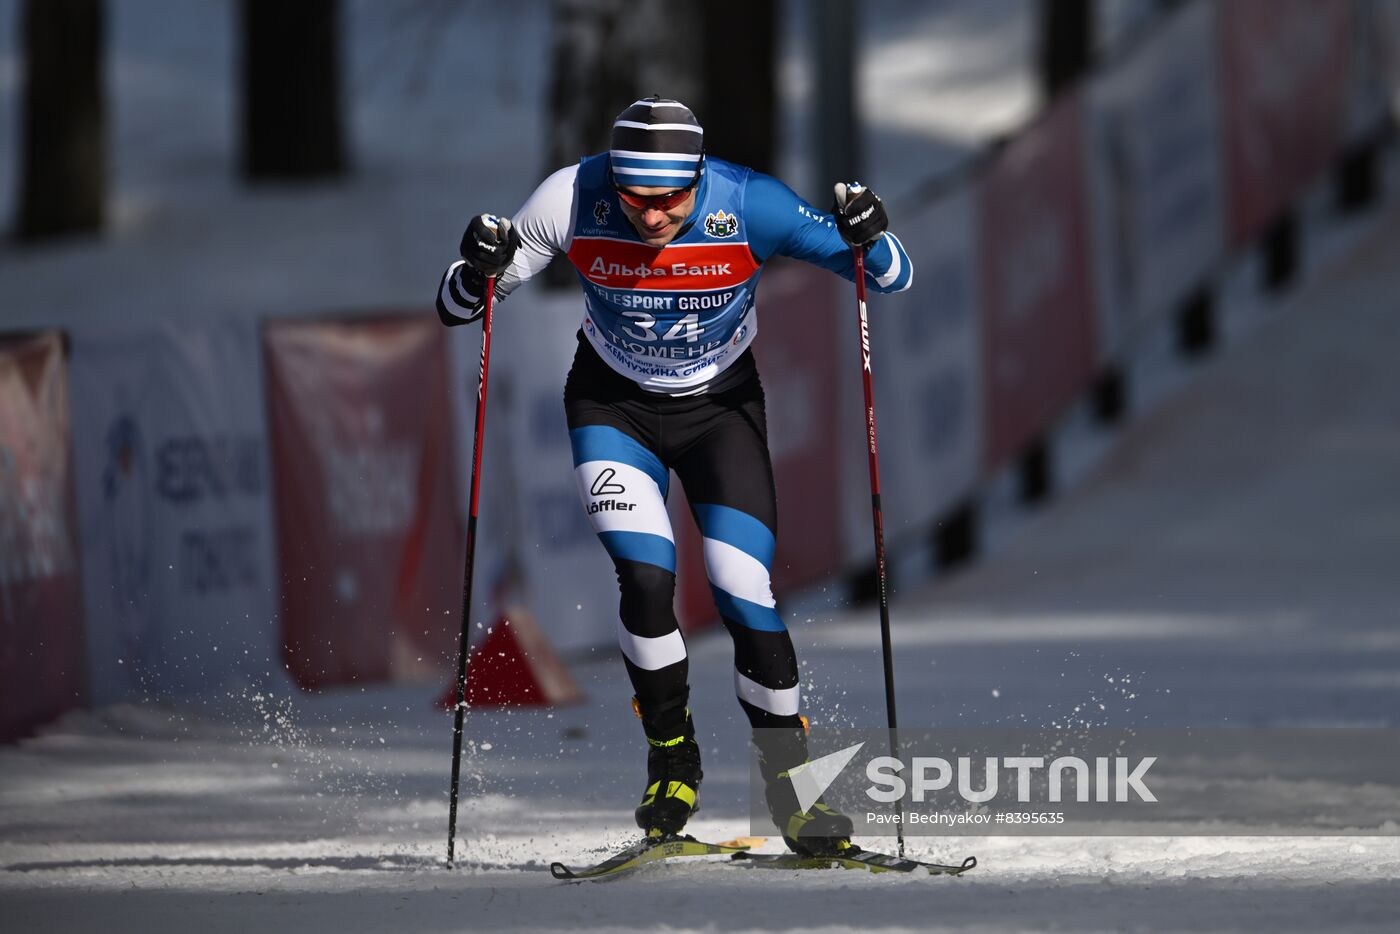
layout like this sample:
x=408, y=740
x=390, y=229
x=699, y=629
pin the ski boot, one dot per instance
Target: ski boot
x=673, y=768
x=819, y=831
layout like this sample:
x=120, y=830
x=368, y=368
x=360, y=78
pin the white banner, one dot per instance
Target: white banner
x=1156, y=175
x=497, y=572
x=926, y=361
x=530, y=514
x=173, y=498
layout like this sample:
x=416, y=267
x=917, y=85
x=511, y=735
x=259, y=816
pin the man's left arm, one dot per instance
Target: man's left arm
x=782, y=224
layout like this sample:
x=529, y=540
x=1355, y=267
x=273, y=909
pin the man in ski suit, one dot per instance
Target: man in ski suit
x=668, y=244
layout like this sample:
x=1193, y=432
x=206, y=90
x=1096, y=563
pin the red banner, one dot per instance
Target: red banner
x=1284, y=67
x=367, y=538
x=797, y=353
x=42, y=668
x=1038, y=301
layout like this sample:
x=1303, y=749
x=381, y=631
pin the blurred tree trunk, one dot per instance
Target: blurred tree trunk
x=1066, y=43
x=835, y=120
x=605, y=55
x=739, y=108
x=608, y=53
x=63, y=178
x=291, y=121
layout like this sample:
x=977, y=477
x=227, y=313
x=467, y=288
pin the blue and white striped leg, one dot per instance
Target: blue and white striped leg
x=738, y=560
x=623, y=488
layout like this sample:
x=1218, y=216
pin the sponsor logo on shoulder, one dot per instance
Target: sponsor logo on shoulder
x=601, y=208
x=721, y=224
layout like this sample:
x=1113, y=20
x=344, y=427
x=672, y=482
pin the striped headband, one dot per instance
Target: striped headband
x=656, y=143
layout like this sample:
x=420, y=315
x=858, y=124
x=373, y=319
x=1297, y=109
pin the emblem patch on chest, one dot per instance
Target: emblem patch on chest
x=720, y=224
x=600, y=212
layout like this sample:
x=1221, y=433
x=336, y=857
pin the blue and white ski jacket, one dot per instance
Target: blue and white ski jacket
x=674, y=318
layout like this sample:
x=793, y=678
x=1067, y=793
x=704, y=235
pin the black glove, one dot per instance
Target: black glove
x=489, y=244
x=860, y=215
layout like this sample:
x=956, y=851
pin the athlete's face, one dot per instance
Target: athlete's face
x=657, y=226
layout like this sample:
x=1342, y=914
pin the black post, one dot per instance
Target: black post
x=291, y=123
x=1195, y=324
x=1035, y=472
x=63, y=172
x=1281, y=252
x=739, y=77
x=837, y=125
x=1066, y=43
x=955, y=537
x=1110, y=395
x=1358, y=175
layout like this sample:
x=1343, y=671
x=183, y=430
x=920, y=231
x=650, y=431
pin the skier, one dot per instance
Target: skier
x=668, y=243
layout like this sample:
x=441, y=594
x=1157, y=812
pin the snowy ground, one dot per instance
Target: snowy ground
x=1233, y=556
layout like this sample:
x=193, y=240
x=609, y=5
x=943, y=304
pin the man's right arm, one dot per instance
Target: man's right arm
x=545, y=227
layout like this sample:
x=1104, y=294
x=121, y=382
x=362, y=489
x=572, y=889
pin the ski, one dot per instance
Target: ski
x=646, y=850
x=864, y=859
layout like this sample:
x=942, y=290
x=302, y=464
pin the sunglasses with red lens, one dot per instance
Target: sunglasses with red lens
x=663, y=202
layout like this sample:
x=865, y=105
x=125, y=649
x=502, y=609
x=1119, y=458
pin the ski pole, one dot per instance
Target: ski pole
x=881, y=570
x=467, y=572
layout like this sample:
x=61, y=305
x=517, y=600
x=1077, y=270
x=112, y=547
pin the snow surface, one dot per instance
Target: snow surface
x=1232, y=553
